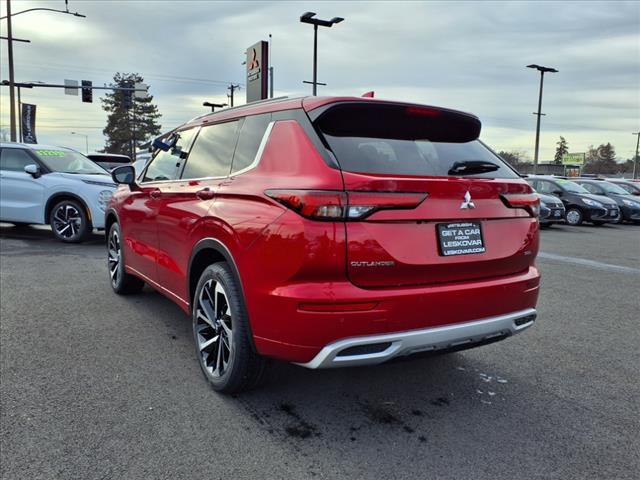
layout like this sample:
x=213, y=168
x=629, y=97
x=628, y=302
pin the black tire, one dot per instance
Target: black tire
x=574, y=216
x=218, y=295
x=122, y=282
x=69, y=221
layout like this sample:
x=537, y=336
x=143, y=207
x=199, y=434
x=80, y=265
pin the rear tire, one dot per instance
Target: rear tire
x=69, y=221
x=574, y=216
x=122, y=282
x=221, y=333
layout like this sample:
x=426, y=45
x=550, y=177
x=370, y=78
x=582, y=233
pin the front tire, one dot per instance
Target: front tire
x=574, y=216
x=121, y=282
x=221, y=333
x=69, y=221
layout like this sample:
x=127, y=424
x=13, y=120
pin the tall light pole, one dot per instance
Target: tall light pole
x=86, y=140
x=308, y=17
x=635, y=160
x=542, y=71
x=10, y=40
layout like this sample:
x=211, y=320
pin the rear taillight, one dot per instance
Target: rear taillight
x=337, y=206
x=527, y=201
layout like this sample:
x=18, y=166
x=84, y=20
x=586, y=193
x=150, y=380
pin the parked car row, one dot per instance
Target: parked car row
x=586, y=199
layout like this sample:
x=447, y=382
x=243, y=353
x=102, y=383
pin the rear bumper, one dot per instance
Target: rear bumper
x=285, y=328
x=373, y=349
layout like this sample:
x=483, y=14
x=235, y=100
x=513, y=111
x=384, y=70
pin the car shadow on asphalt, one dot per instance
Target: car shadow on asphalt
x=41, y=234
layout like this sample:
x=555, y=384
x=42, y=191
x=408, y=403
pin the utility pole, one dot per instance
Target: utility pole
x=635, y=160
x=270, y=69
x=10, y=40
x=232, y=88
x=12, y=96
x=542, y=71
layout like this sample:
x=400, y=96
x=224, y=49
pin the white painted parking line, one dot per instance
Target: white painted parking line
x=608, y=267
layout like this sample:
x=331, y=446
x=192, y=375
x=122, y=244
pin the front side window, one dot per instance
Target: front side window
x=251, y=134
x=166, y=165
x=14, y=159
x=212, y=151
x=67, y=161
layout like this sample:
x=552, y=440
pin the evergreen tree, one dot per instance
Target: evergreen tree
x=601, y=160
x=561, y=150
x=128, y=128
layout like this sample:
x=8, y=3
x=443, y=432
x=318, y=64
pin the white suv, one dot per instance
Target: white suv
x=53, y=185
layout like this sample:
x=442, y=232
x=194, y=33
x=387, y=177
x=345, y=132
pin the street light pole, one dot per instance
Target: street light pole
x=635, y=160
x=308, y=17
x=542, y=71
x=86, y=140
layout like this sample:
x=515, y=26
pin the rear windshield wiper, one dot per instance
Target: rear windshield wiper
x=471, y=167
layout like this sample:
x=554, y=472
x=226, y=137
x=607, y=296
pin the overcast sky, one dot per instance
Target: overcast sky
x=465, y=55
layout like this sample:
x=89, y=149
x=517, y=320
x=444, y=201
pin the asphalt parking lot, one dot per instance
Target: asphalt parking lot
x=99, y=386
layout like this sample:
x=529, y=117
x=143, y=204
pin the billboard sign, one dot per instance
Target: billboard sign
x=257, y=71
x=573, y=159
x=28, y=119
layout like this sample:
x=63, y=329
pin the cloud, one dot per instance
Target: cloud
x=466, y=55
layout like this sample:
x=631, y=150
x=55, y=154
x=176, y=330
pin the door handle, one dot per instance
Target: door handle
x=154, y=193
x=205, y=194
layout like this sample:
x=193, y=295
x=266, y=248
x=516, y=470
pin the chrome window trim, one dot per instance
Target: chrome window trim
x=254, y=164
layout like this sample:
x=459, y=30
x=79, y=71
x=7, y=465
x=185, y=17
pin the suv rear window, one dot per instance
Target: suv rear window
x=404, y=140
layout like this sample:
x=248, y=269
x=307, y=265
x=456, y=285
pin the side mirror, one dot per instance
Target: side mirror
x=33, y=170
x=124, y=175
x=557, y=193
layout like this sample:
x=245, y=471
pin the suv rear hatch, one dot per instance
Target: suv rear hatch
x=432, y=203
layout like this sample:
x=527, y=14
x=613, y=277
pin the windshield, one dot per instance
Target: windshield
x=68, y=161
x=612, y=188
x=572, y=187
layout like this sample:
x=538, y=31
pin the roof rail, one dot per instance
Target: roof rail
x=246, y=105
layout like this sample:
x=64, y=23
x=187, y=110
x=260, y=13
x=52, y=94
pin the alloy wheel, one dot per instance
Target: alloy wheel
x=67, y=221
x=213, y=329
x=573, y=217
x=114, y=257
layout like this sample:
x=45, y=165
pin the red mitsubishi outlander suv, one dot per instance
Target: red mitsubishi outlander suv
x=328, y=232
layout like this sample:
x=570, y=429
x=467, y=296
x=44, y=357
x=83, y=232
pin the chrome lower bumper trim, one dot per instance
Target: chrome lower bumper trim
x=428, y=339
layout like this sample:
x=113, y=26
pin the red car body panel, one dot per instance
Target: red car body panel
x=301, y=286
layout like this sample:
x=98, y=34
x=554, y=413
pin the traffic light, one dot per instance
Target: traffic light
x=87, y=91
x=127, y=99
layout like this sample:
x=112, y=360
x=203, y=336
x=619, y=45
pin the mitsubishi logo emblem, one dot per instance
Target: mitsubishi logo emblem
x=467, y=204
x=254, y=60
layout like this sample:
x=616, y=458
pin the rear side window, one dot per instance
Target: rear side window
x=15, y=159
x=251, y=134
x=212, y=151
x=405, y=140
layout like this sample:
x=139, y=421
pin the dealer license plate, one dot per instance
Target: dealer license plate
x=460, y=238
